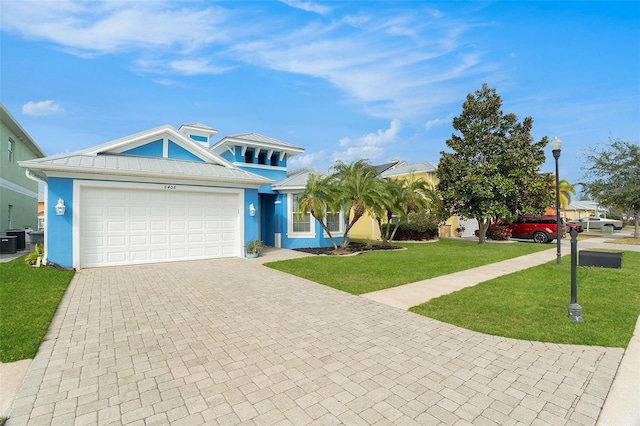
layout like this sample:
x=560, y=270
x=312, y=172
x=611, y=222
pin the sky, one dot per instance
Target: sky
x=344, y=80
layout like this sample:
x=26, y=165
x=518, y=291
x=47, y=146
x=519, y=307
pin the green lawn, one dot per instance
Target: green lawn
x=532, y=304
x=29, y=298
x=383, y=269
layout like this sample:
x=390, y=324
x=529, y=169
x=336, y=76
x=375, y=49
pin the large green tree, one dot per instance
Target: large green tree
x=494, y=169
x=613, y=177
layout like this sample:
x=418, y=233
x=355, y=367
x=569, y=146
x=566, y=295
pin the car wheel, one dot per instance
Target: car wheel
x=540, y=237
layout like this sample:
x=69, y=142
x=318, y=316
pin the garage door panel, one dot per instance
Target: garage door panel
x=120, y=226
x=116, y=226
x=138, y=225
x=138, y=211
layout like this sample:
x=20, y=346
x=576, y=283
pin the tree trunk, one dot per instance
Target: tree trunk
x=483, y=225
x=349, y=226
x=636, y=230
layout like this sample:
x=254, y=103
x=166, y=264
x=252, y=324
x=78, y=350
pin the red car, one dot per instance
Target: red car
x=541, y=229
x=570, y=225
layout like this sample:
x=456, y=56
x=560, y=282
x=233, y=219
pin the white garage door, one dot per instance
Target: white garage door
x=127, y=226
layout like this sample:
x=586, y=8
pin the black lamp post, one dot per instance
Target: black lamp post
x=556, y=145
x=574, y=310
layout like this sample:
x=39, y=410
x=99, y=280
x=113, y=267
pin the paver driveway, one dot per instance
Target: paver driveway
x=193, y=343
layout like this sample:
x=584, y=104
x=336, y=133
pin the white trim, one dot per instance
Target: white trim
x=165, y=148
x=290, y=232
x=78, y=185
x=339, y=231
x=259, y=166
x=202, y=180
x=11, y=186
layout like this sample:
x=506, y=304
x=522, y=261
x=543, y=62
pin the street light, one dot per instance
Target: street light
x=556, y=145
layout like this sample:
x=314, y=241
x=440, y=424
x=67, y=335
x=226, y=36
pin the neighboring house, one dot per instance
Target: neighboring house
x=367, y=227
x=583, y=209
x=18, y=193
x=165, y=195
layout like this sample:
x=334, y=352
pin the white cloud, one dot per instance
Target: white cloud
x=41, y=108
x=438, y=122
x=196, y=66
x=307, y=160
x=391, y=62
x=307, y=6
x=368, y=146
x=91, y=28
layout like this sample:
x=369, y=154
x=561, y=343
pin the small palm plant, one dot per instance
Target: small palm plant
x=36, y=255
x=254, y=247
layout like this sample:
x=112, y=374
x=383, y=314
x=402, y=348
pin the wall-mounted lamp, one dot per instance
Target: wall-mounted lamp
x=252, y=210
x=60, y=207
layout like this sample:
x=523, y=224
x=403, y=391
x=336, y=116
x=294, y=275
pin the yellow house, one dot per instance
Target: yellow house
x=367, y=227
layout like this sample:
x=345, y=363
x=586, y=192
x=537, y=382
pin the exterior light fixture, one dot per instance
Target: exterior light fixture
x=60, y=207
x=556, y=146
x=252, y=210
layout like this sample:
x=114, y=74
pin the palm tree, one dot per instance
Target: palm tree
x=318, y=198
x=566, y=189
x=359, y=188
x=406, y=196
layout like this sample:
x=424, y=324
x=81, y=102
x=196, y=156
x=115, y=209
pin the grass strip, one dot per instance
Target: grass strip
x=384, y=269
x=532, y=304
x=29, y=298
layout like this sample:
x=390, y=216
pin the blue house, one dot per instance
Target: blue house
x=169, y=194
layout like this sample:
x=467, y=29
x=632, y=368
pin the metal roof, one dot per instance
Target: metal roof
x=406, y=169
x=255, y=140
x=129, y=165
x=585, y=205
x=296, y=179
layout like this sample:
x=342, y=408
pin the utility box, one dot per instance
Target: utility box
x=8, y=244
x=21, y=234
x=601, y=259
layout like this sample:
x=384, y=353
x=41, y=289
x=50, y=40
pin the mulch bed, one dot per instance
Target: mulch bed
x=351, y=249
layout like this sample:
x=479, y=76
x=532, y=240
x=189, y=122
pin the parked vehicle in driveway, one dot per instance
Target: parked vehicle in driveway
x=541, y=229
x=597, y=223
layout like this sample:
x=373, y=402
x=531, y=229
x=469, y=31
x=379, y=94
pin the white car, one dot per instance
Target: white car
x=597, y=223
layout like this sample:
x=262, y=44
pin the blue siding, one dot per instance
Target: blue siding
x=251, y=222
x=199, y=138
x=265, y=171
x=179, y=153
x=59, y=229
x=151, y=149
x=228, y=156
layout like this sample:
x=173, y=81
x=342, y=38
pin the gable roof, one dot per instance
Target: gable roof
x=150, y=167
x=296, y=179
x=107, y=159
x=384, y=167
x=407, y=169
x=15, y=128
x=255, y=140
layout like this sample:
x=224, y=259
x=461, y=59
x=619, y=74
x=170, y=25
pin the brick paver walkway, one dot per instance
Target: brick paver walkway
x=231, y=341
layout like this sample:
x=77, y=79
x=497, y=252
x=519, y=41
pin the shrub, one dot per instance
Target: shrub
x=421, y=226
x=497, y=232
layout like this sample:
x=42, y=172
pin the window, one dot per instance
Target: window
x=248, y=156
x=333, y=222
x=274, y=159
x=299, y=224
x=12, y=148
x=262, y=158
